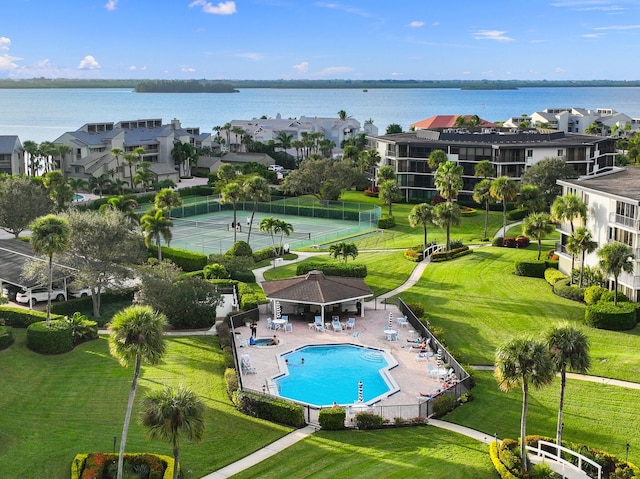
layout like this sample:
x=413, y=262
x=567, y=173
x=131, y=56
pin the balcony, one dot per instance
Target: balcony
x=624, y=221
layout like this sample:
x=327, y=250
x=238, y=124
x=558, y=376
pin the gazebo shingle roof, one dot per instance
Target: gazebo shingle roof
x=316, y=288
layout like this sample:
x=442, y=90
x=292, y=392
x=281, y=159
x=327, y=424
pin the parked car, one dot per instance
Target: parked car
x=40, y=294
x=79, y=292
x=9, y=291
x=276, y=168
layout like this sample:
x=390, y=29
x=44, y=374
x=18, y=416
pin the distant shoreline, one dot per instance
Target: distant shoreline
x=232, y=86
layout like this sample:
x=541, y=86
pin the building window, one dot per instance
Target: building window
x=529, y=153
x=560, y=152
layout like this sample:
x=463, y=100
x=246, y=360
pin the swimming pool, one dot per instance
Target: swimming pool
x=332, y=372
x=78, y=197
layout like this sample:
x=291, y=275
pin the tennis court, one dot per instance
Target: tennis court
x=213, y=232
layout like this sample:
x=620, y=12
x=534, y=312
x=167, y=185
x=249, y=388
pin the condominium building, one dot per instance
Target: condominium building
x=11, y=155
x=613, y=214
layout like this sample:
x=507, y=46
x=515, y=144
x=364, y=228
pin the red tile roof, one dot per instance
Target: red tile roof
x=445, y=121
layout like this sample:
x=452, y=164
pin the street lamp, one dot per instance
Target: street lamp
x=115, y=438
x=627, y=458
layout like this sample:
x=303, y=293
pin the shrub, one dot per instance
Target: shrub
x=467, y=211
x=271, y=409
x=455, y=244
x=608, y=297
x=542, y=471
x=245, y=276
x=56, y=339
x=372, y=194
x=332, y=419
x=500, y=467
x=522, y=242
x=609, y=316
x=563, y=289
x=240, y=248
x=498, y=241
x=451, y=254
x=417, y=309
x=85, y=304
x=94, y=465
x=22, y=318
x=592, y=294
x=590, y=276
x=367, y=420
x=6, y=337
x=386, y=222
x=231, y=380
x=517, y=214
x=215, y=271
x=531, y=269
x=263, y=254
x=82, y=329
x=552, y=276
x=413, y=255
x=510, y=242
x=333, y=269
x=443, y=404
x=186, y=260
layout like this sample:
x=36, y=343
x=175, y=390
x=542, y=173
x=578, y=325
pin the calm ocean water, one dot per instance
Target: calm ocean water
x=41, y=115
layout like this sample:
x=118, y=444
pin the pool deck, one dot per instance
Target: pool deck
x=410, y=375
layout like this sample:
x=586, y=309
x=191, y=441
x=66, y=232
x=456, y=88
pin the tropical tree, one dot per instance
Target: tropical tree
x=523, y=361
x=569, y=348
x=342, y=115
x=393, y=128
x=436, y=158
x=117, y=154
x=389, y=192
x=124, y=204
x=186, y=156
x=569, y=208
x=238, y=132
x=545, y=175
x=172, y=414
x=167, y=199
x=538, y=226
x=614, y=259
x=283, y=140
x=581, y=242
x=232, y=193
x=448, y=180
x=50, y=236
x=445, y=215
x=386, y=173
x=31, y=147
x=156, y=226
x=531, y=199
x=63, y=151
x=60, y=192
x=130, y=159
x=22, y=200
x=484, y=169
x=274, y=226
x=135, y=335
x=77, y=184
x=482, y=195
x=422, y=215
x=99, y=183
x=504, y=189
x=226, y=173
x=144, y=176
x=343, y=250
x=255, y=189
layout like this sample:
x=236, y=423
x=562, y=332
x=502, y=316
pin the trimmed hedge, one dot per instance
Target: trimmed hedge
x=517, y=214
x=552, y=276
x=451, y=254
x=333, y=269
x=56, y=339
x=609, y=295
x=592, y=294
x=531, y=269
x=246, y=276
x=609, y=316
x=6, y=337
x=187, y=260
x=413, y=255
x=563, y=289
x=22, y=318
x=67, y=308
x=443, y=404
x=263, y=254
x=500, y=468
x=93, y=465
x=271, y=409
x=498, y=241
x=332, y=419
x=240, y=248
x=368, y=420
x=386, y=222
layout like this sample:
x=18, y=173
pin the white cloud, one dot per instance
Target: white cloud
x=396, y=74
x=302, y=67
x=435, y=24
x=333, y=70
x=256, y=57
x=134, y=68
x=416, y=24
x=344, y=8
x=466, y=73
x=111, y=5
x=88, y=63
x=592, y=35
x=223, y=8
x=619, y=27
x=496, y=35
x=5, y=43
x=589, y=5
x=187, y=69
x=7, y=62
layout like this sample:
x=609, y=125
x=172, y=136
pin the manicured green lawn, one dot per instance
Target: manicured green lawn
x=602, y=416
x=386, y=269
x=396, y=453
x=56, y=406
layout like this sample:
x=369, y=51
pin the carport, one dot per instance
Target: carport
x=313, y=293
x=14, y=255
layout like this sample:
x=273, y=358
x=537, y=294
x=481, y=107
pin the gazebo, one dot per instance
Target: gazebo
x=313, y=293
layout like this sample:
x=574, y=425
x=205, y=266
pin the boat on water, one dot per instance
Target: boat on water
x=365, y=90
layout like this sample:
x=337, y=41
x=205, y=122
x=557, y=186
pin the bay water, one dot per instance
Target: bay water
x=45, y=114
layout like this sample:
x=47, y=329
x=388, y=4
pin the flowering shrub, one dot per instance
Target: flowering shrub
x=522, y=242
x=413, y=255
x=94, y=465
x=368, y=192
x=510, y=242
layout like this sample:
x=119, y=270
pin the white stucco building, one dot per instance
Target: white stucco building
x=11, y=155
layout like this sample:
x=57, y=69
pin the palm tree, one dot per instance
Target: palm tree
x=538, y=226
x=299, y=146
x=482, y=195
x=238, y=132
x=422, y=215
x=386, y=173
x=171, y=414
x=614, y=259
x=256, y=189
x=144, y=175
x=389, y=192
x=436, y=158
x=232, y=193
x=342, y=115
x=125, y=204
x=31, y=147
x=50, y=235
x=273, y=226
x=344, y=250
x=568, y=208
x=283, y=140
x=117, y=153
x=484, y=169
x=446, y=214
x=77, y=184
x=581, y=241
x=522, y=362
x=448, y=180
x=569, y=348
x=531, y=199
x=504, y=189
x=167, y=199
x=155, y=227
x=135, y=335
x=63, y=151
x=130, y=159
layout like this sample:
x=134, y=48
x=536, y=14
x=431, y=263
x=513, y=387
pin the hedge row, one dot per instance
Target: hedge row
x=552, y=275
x=92, y=465
x=67, y=308
x=22, y=318
x=55, y=339
x=517, y=214
x=6, y=337
x=534, y=269
x=249, y=298
x=563, y=289
x=187, y=260
x=518, y=242
x=413, y=255
x=263, y=254
x=333, y=269
x=271, y=409
x=502, y=470
x=609, y=316
x=332, y=419
x=451, y=254
x=385, y=222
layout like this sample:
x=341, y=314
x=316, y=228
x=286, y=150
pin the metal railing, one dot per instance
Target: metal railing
x=556, y=455
x=624, y=221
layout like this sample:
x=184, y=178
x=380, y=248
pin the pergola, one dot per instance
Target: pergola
x=316, y=289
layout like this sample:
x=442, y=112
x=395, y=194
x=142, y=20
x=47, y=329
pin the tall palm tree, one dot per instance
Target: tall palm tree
x=130, y=159
x=531, y=199
x=47, y=151
x=581, y=242
x=172, y=414
x=156, y=227
x=135, y=335
x=63, y=151
x=227, y=130
x=448, y=180
x=422, y=215
x=444, y=215
x=389, y=192
x=569, y=348
x=274, y=226
x=77, y=184
x=299, y=146
x=537, y=226
x=117, y=153
x=344, y=250
x=283, y=140
x=100, y=183
x=504, y=189
x=50, y=235
x=256, y=189
x=167, y=199
x=484, y=169
x=569, y=208
x=238, y=132
x=482, y=195
x=522, y=362
x=125, y=204
x=31, y=147
x=614, y=259
x=232, y=193
x=342, y=115
x=436, y=158
x=144, y=176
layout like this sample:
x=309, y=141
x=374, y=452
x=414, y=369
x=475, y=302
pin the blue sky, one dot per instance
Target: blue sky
x=350, y=39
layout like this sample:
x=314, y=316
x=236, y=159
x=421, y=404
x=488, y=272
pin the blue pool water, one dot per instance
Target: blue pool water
x=77, y=197
x=331, y=373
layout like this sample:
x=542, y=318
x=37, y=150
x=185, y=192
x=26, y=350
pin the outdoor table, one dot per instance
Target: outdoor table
x=279, y=322
x=389, y=333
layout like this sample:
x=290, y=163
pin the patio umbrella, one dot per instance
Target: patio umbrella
x=360, y=395
x=390, y=320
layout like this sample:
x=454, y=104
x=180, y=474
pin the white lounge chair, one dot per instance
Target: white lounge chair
x=245, y=364
x=335, y=324
x=318, y=324
x=351, y=323
x=402, y=321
